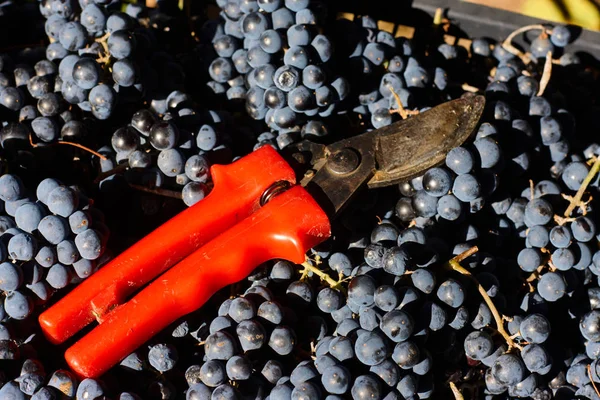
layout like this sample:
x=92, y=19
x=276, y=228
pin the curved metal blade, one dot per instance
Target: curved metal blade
x=408, y=148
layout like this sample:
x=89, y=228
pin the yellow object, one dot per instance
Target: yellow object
x=585, y=13
x=577, y=12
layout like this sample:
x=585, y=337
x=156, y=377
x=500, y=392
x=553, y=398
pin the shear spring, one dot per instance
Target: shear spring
x=274, y=190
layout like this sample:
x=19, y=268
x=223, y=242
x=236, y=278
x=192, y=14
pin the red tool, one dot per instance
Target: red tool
x=254, y=213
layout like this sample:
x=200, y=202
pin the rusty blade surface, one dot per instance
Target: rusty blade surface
x=386, y=156
x=410, y=147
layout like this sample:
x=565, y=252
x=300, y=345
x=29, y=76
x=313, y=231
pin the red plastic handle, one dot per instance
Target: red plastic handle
x=286, y=227
x=237, y=190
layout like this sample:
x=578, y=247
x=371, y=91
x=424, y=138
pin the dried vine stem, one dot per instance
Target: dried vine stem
x=508, y=46
x=576, y=201
x=457, y=394
x=79, y=146
x=404, y=113
x=589, y=371
x=119, y=168
x=161, y=192
x=546, y=74
x=455, y=265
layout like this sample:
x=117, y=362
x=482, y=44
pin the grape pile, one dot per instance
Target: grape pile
x=479, y=279
x=274, y=56
x=50, y=240
x=160, y=150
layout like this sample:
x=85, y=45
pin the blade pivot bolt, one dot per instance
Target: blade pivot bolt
x=343, y=161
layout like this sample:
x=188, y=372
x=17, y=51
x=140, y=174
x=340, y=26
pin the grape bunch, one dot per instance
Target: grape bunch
x=101, y=54
x=171, y=150
x=274, y=56
x=50, y=239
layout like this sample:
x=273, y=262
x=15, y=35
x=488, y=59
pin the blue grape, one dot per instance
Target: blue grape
x=397, y=325
x=193, y=192
x=336, y=379
x=361, y=290
x=254, y=24
x=28, y=216
x=270, y=5
x=583, y=229
x=466, y=187
x=365, y=387
x=478, y=345
x=489, y=152
x=535, y=328
x=162, y=357
x=17, y=305
x=424, y=204
x=538, y=212
x=198, y=391
x=171, y=162
x=437, y=182
x=561, y=35
x=342, y=349
x=72, y=36
x=83, y=268
x=551, y=286
x=89, y=244
x=11, y=188
x=589, y=326
x=46, y=256
x=120, y=44
x=11, y=277
x=328, y=300
x=282, y=340
x=574, y=174
x=58, y=276
x=102, y=100
x=540, y=46
x=451, y=293
x=460, y=160
x=449, y=207
x=529, y=259
x=67, y=252
x=89, y=388
x=86, y=73
x=124, y=72
x=62, y=201
x=508, y=369
x=423, y=280
x=538, y=237
x=22, y=247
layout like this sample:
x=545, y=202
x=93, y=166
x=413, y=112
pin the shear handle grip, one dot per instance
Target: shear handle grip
x=286, y=227
x=236, y=193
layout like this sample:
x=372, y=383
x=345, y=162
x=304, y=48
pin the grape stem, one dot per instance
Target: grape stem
x=457, y=394
x=508, y=46
x=589, y=371
x=404, y=113
x=546, y=74
x=308, y=267
x=576, y=201
x=161, y=192
x=454, y=264
x=119, y=168
x=469, y=88
x=79, y=146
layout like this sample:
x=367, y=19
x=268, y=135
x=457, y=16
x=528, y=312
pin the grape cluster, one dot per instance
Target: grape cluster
x=50, y=239
x=96, y=49
x=168, y=151
x=274, y=56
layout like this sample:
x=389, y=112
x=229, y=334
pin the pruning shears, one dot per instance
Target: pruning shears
x=258, y=210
